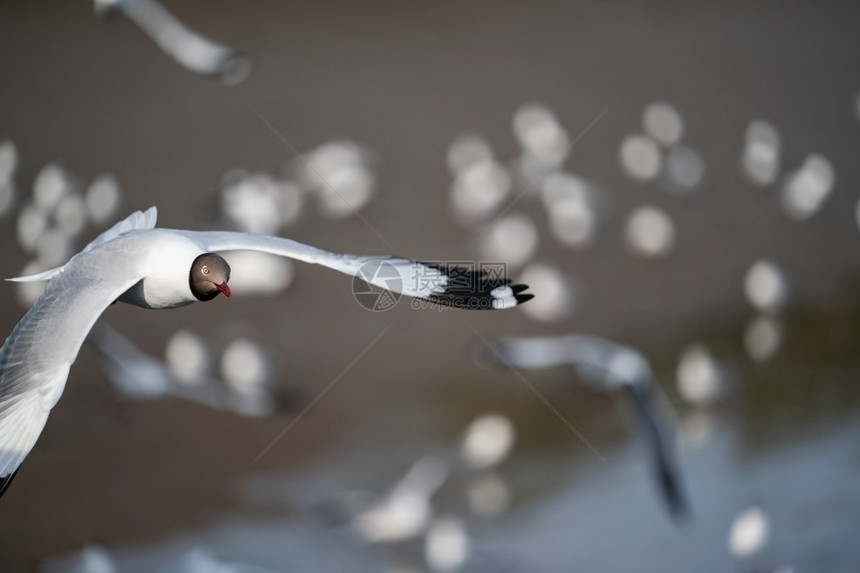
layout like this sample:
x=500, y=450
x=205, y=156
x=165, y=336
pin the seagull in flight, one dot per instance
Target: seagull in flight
x=608, y=367
x=136, y=263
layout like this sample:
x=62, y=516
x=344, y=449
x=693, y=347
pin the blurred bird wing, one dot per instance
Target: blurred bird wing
x=527, y=353
x=660, y=436
x=601, y=363
x=138, y=375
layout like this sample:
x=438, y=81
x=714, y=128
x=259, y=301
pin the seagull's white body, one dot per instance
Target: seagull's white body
x=136, y=263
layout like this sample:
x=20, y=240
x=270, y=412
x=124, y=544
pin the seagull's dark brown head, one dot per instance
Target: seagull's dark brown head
x=209, y=276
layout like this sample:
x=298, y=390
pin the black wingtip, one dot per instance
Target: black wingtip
x=483, y=288
x=6, y=481
x=666, y=469
x=521, y=298
x=519, y=288
x=673, y=495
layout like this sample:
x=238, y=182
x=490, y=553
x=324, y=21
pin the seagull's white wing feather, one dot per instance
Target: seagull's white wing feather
x=36, y=357
x=449, y=286
x=139, y=220
x=43, y=276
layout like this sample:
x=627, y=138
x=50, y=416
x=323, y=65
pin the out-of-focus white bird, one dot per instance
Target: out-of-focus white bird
x=405, y=512
x=136, y=263
x=608, y=367
x=188, y=48
x=748, y=533
x=446, y=547
x=700, y=379
x=487, y=441
x=139, y=376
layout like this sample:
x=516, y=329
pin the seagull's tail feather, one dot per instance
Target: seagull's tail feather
x=6, y=481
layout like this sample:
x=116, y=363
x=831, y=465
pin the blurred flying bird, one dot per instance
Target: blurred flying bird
x=406, y=510
x=137, y=375
x=136, y=263
x=608, y=367
x=190, y=50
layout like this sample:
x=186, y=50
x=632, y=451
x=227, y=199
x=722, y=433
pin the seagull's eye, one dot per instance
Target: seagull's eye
x=204, y=269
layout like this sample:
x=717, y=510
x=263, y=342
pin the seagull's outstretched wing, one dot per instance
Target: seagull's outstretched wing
x=444, y=285
x=35, y=359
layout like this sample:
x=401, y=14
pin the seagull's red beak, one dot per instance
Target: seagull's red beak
x=223, y=288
